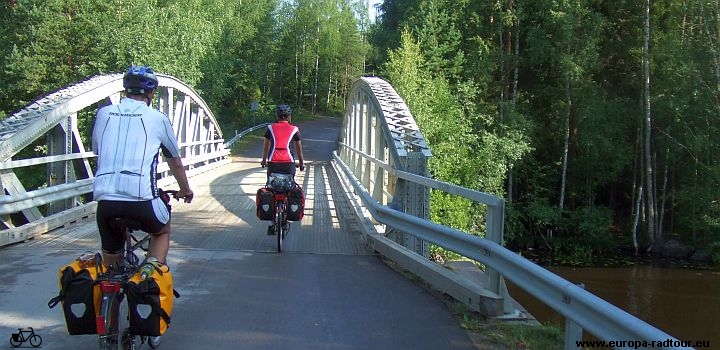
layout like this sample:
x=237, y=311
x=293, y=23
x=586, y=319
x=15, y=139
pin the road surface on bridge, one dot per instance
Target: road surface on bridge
x=327, y=291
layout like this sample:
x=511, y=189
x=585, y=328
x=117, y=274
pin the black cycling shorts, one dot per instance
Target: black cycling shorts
x=153, y=215
x=281, y=168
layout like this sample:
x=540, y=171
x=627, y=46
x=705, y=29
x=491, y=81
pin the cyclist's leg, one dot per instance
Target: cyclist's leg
x=156, y=221
x=111, y=242
x=111, y=259
x=160, y=244
x=153, y=216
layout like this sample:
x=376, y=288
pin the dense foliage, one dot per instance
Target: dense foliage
x=596, y=120
x=599, y=117
x=233, y=52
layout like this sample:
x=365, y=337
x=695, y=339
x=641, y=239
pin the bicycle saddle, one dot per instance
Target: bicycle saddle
x=119, y=224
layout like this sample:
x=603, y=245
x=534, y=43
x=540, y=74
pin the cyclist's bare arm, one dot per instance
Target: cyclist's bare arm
x=266, y=149
x=178, y=170
x=301, y=158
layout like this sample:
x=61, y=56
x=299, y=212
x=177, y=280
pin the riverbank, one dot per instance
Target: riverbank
x=678, y=300
x=622, y=258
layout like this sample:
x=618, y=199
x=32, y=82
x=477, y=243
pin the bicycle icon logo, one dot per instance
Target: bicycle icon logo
x=25, y=335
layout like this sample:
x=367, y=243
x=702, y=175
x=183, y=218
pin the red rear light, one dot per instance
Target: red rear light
x=109, y=287
x=280, y=197
x=100, y=324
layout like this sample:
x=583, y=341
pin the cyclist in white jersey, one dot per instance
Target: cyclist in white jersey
x=127, y=138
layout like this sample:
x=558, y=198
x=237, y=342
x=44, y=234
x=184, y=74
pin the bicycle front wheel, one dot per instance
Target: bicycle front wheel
x=35, y=340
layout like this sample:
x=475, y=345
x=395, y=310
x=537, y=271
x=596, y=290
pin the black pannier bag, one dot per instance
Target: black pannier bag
x=296, y=204
x=265, y=202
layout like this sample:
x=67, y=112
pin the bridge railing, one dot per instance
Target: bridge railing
x=582, y=309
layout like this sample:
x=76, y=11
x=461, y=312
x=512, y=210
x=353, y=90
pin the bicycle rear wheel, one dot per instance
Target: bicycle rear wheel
x=279, y=218
x=108, y=335
x=114, y=310
x=14, y=342
x=126, y=340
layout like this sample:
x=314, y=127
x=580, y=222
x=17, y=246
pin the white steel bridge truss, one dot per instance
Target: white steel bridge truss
x=52, y=123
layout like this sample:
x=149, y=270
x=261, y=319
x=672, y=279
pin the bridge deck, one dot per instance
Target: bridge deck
x=327, y=291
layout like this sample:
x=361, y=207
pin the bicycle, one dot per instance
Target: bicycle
x=18, y=338
x=280, y=185
x=113, y=319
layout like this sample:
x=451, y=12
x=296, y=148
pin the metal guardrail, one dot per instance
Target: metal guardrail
x=494, y=218
x=582, y=308
x=232, y=141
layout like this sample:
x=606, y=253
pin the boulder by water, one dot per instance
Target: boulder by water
x=674, y=249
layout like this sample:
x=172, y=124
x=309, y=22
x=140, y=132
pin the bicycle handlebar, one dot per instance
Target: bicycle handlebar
x=173, y=193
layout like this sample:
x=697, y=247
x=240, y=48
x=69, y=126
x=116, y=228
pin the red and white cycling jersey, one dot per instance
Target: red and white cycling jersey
x=280, y=135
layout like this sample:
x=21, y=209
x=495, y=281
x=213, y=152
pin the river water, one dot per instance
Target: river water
x=684, y=303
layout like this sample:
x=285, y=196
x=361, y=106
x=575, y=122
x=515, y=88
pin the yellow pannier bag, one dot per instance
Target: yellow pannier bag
x=80, y=293
x=151, y=302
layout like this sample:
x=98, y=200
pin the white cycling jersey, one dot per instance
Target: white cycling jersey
x=126, y=138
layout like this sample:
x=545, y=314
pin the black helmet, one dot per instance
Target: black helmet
x=140, y=80
x=283, y=111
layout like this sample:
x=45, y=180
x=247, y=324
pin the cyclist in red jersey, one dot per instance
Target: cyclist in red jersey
x=276, y=154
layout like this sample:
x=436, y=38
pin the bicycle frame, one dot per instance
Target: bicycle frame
x=111, y=323
x=22, y=333
x=280, y=184
x=280, y=215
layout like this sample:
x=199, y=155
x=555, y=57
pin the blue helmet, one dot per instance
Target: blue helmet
x=140, y=80
x=283, y=111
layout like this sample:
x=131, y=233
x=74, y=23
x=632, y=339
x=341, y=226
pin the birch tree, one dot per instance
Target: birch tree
x=650, y=203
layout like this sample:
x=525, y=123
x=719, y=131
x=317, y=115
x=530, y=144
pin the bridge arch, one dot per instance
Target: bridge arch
x=27, y=209
x=379, y=124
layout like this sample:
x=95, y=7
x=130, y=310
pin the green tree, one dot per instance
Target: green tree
x=473, y=159
x=320, y=52
x=439, y=40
